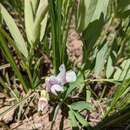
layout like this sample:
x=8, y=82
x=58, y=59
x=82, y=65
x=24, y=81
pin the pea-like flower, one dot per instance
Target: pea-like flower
x=55, y=84
x=42, y=103
x=43, y=100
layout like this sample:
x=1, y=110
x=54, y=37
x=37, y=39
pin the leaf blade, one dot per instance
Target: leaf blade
x=20, y=43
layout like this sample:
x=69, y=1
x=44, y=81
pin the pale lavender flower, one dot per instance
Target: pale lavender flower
x=55, y=84
x=42, y=103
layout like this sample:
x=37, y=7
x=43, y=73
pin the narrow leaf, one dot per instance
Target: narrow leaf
x=28, y=16
x=110, y=68
x=72, y=119
x=40, y=15
x=89, y=11
x=20, y=43
x=43, y=26
x=10, y=59
x=34, y=5
x=81, y=119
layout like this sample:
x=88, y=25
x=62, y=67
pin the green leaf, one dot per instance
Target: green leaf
x=123, y=72
x=40, y=15
x=118, y=93
x=81, y=119
x=56, y=33
x=73, y=121
x=110, y=68
x=56, y=113
x=43, y=26
x=100, y=60
x=126, y=70
x=11, y=41
x=91, y=34
x=28, y=16
x=9, y=58
x=117, y=73
x=124, y=101
x=81, y=105
x=34, y=5
x=89, y=11
x=15, y=33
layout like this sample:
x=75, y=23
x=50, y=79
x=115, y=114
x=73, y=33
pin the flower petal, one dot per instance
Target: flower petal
x=50, y=81
x=70, y=76
x=61, y=76
x=53, y=91
x=57, y=88
x=42, y=103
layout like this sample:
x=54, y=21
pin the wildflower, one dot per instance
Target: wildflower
x=43, y=101
x=55, y=84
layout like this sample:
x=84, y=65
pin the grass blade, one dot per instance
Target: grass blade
x=10, y=59
x=20, y=43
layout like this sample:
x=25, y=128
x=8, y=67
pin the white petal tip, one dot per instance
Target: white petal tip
x=71, y=76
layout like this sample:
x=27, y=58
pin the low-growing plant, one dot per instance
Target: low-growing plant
x=99, y=84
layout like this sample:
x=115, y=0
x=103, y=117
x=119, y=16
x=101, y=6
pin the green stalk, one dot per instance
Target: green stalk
x=121, y=89
x=30, y=76
x=55, y=42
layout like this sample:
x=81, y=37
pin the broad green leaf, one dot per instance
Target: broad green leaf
x=73, y=121
x=81, y=105
x=40, y=15
x=9, y=58
x=15, y=33
x=109, y=68
x=81, y=119
x=89, y=11
x=100, y=60
x=28, y=16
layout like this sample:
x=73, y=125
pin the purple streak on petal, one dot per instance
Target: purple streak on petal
x=50, y=82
